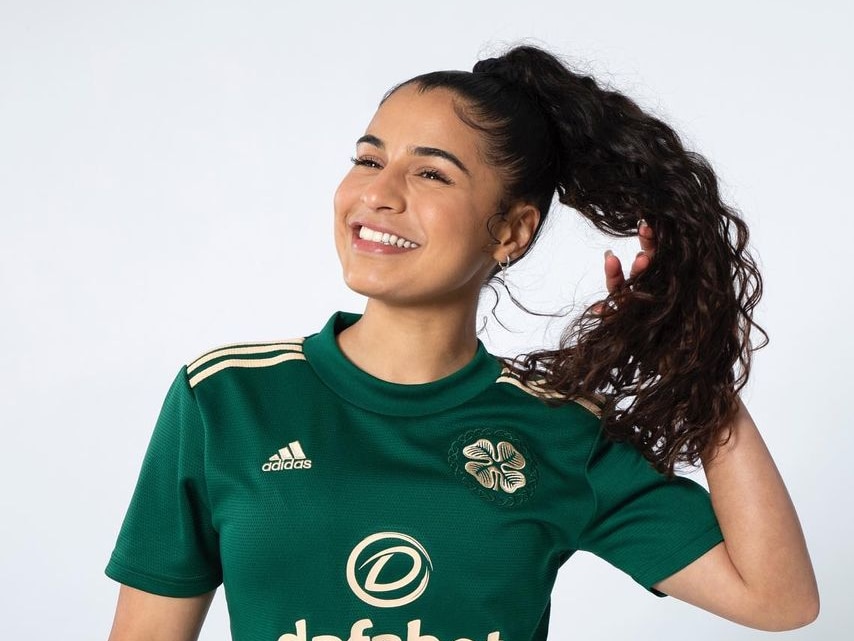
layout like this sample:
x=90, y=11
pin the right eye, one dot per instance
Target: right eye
x=366, y=161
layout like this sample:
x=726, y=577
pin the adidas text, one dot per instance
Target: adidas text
x=289, y=457
x=276, y=466
x=358, y=632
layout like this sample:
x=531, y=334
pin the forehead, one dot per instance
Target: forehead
x=414, y=118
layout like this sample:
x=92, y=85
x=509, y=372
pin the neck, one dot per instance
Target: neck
x=410, y=346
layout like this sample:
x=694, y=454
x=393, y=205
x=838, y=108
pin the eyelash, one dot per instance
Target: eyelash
x=365, y=161
x=429, y=174
x=435, y=174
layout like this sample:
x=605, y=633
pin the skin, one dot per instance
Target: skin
x=761, y=576
x=419, y=325
x=422, y=303
x=141, y=616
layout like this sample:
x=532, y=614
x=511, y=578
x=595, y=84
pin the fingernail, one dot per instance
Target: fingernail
x=642, y=223
x=640, y=253
x=608, y=253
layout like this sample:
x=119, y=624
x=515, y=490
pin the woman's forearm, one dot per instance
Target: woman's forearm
x=761, y=575
x=763, y=536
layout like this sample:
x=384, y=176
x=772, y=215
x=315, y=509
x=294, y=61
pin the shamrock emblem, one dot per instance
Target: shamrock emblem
x=495, y=467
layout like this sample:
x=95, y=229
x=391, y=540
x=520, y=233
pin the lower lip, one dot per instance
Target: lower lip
x=376, y=248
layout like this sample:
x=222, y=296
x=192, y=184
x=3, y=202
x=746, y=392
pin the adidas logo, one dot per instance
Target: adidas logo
x=290, y=457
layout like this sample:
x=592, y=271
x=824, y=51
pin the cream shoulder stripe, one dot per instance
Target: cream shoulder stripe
x=589, y=406
x=245, y=362
x=245, y=348
x=534, y=390
x=530, y=388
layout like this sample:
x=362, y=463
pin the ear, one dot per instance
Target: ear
x=515, y=231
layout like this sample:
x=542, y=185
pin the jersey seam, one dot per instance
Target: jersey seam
x=197, y=408
x=377, y=412
x=178, y=582
x=595, y=499
x=640, y=575
x=573, y=541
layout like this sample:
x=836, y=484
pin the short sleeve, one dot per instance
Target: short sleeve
x=167, y=544
x=648, y=525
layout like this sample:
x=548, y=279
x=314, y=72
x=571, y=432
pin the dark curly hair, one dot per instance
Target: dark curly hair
x=666, y=355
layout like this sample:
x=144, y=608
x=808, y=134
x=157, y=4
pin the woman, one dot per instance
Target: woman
x=387, y=478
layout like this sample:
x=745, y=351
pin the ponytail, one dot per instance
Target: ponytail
x=670, y=350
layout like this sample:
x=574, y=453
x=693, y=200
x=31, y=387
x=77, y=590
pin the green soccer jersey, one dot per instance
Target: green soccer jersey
x=336, y=506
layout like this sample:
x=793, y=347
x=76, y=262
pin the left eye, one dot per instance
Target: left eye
x=432, y=174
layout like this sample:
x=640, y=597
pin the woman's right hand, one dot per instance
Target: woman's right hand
x=614, y=277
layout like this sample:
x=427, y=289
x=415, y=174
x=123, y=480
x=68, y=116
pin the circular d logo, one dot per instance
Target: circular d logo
x=388, y=569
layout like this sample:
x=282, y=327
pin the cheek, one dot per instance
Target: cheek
x=469, y=226
x=342, y=197
x=348, y=194
x=341, y=205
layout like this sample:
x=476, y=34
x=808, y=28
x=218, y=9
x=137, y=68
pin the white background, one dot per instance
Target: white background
x=166, y=175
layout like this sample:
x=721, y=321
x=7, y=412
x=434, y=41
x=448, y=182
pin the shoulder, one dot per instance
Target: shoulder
x=248, y=355
x=537, y=388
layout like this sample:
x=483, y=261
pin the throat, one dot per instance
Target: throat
x=403, y=353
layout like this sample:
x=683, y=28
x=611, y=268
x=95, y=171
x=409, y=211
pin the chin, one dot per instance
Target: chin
x=367, y=286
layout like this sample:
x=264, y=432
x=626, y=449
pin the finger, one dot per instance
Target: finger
x=646, y=236
x=639, y=265
x=614, y=278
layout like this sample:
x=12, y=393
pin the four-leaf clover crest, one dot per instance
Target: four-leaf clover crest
x=495, y=467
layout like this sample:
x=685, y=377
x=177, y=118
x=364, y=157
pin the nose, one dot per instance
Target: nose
x=385, y=191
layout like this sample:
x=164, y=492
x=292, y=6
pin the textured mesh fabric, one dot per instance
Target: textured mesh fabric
x=333, y=504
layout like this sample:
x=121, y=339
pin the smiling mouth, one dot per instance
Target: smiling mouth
x=366, y=233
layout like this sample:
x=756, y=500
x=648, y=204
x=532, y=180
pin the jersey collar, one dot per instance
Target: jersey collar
x=394, y=399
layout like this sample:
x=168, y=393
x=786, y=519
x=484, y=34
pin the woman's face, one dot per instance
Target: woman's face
x=411, y=215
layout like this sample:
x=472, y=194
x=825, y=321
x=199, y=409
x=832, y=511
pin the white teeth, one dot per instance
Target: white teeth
x=366, y=233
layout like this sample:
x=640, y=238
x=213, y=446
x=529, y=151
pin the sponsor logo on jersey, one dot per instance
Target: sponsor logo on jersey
x=385, y=570
x=388, y=569
x=290, y=457
x=359, y=632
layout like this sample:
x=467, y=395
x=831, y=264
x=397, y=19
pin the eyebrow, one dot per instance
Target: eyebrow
x=419, y=151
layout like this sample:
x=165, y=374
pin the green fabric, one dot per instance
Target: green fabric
x=329, y=502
